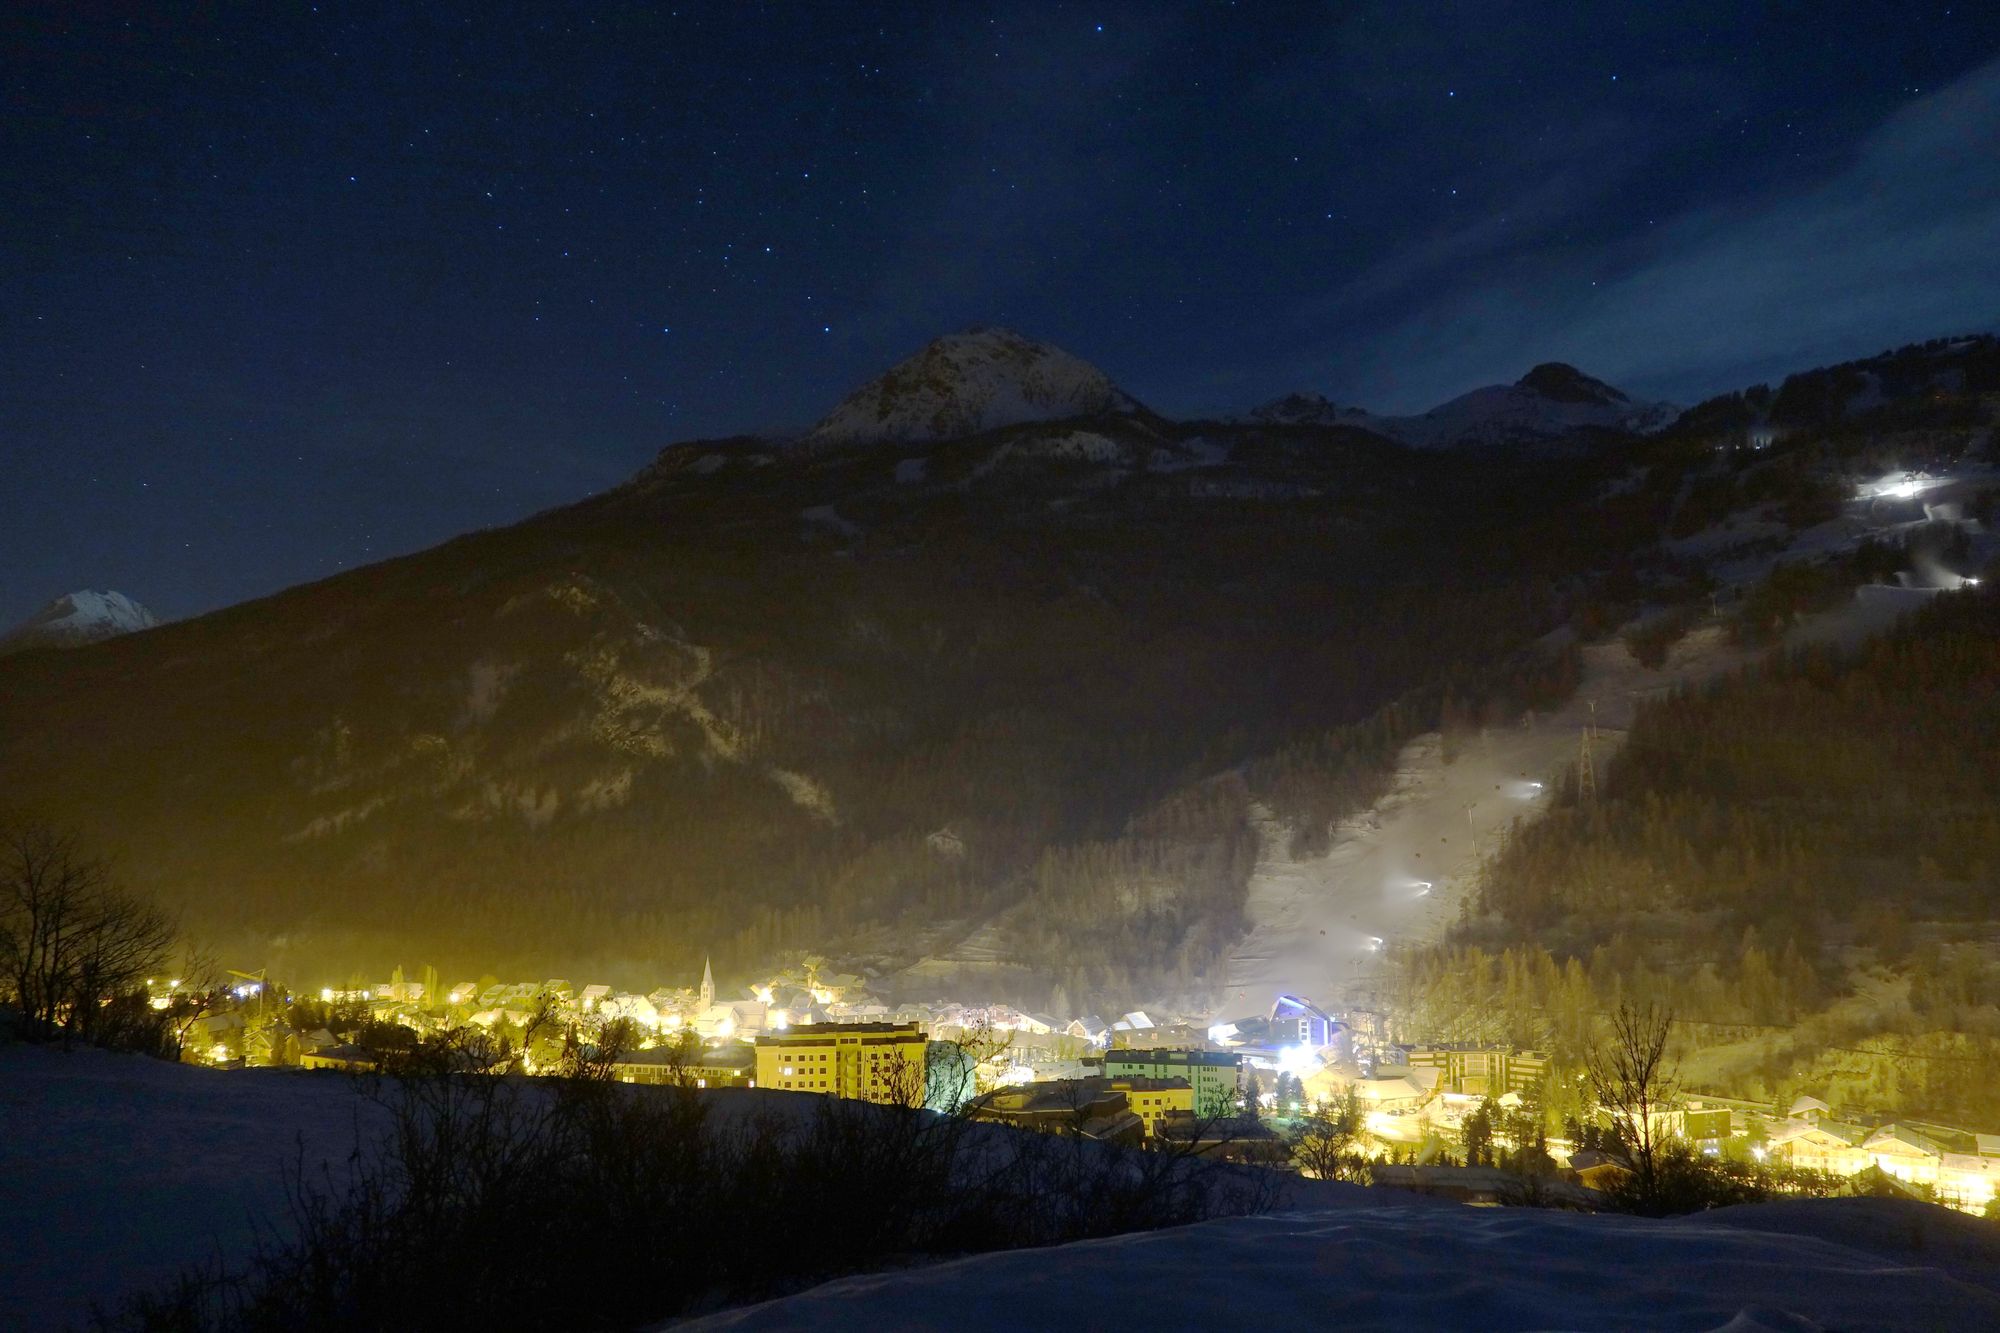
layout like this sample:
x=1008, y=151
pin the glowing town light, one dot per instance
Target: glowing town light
x=1375, y=943
x=1298, y=1060
x=1222, y=1033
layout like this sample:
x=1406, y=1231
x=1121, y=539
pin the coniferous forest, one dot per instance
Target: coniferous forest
x=1801, y=862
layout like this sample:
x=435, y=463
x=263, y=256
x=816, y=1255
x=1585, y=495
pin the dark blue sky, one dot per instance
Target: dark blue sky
x=289, y=288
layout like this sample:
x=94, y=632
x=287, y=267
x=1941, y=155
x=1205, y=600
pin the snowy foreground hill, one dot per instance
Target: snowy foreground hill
x=115, y=1171
x=1796, y=1267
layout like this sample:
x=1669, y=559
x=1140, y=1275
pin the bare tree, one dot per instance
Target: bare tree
x=1324, y=1141
x=70, y=938
x=199, y=994
x=1631, y=1080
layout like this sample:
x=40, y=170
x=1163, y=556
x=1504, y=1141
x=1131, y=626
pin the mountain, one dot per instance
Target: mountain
x=1548, y=405
x=723, y=707
x=1934, y=381
x=1312, y=409
x=969, y=382
x=78, y=618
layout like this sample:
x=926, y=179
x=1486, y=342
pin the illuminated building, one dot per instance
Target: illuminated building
x=1480, y=1070
x=1153, y=1099
x=872, y=1062
x=1211, y=1074
x=1082, y=1107
x=1296, y=1021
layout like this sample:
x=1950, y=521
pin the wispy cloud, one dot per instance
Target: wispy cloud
x=1901, y=242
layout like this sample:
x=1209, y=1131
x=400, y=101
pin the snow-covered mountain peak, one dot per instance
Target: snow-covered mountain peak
x=1539, y=409
x=964, y=383
x=79, y=618
x=1566, y=384
x=1308, y=409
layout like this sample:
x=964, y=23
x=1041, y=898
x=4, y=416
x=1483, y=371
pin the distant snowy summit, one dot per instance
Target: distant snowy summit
x=79, y=618
x=970, y=382
x=1312, y=409
x=1547, y=403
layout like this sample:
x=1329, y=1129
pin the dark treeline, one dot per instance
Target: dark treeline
x=1802, y=862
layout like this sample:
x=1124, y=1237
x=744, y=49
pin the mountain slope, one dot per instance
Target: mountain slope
x=723, y=707
x=78, y=618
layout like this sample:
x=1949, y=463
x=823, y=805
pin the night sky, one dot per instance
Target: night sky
x=289, y=288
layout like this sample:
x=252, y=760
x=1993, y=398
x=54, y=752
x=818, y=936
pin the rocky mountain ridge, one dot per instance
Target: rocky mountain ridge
x=966, y=383
x=1546, y=406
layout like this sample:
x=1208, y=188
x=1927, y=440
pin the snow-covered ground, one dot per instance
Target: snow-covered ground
x=1851, y=1264
x=116, y=1170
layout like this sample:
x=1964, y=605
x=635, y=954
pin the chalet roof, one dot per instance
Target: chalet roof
x=1890, y=1137
x=820, y=1033
x=1187, y=1126
x=1132, y=1056
x=1058, y=1096
x=1971, y=1164
x=1809, y=1105
x=1388, y=1089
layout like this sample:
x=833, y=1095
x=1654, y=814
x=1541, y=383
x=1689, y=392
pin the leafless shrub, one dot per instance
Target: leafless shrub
x=502, y=1202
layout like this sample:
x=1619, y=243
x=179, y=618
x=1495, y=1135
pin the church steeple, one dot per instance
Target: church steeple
x=707, y=986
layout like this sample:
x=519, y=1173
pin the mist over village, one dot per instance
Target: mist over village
x=893, y=666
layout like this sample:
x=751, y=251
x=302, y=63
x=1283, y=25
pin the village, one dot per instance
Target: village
x=1455, y=1119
